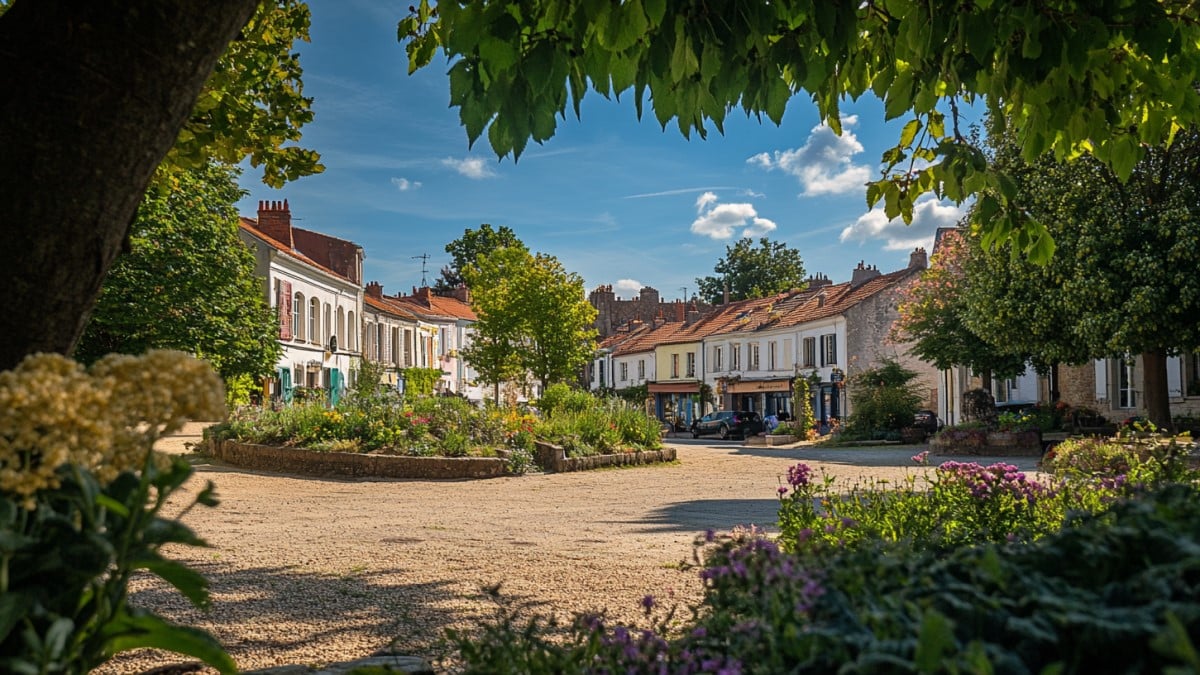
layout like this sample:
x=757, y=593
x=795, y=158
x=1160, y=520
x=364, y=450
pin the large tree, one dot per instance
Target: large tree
x=1072, y=77
x=750, y=271
x=96, y=93
x=533, y=317
x=1124, y=280
x=933, y=317
x=187, y=282
x=472, y=244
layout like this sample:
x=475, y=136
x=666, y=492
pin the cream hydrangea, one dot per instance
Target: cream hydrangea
x=53, y=412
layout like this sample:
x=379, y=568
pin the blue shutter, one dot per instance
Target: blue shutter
x=335, y=385
x=285, y=384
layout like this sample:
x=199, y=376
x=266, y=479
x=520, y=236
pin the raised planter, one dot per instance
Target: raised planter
x=781, y=439
x=553, y=459
x=980, y=442
x=313, y=463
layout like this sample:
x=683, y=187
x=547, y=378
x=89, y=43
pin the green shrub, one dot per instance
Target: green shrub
x=562, y=398
x=883, y=398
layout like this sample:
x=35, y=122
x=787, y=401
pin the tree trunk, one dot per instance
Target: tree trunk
x=1154, y=388
x=95, y=93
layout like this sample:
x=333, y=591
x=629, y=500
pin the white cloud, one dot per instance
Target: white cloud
x=628, y=287
x=404, y=184
x=823, y=165
x=928, y=215
x=471, y=167
x=719, y=221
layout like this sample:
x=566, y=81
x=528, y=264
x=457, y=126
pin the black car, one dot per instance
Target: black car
x=928, y=421
x=728, y=423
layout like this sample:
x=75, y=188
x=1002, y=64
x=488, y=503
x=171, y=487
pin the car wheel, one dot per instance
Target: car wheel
x=725, y=432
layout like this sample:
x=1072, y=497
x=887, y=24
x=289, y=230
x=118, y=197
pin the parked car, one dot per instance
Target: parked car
x=927, y=420
x=728, y=423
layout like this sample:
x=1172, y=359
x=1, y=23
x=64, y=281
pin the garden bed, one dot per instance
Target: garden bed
x=553, y=459
x=312, y=463
x=987, y=443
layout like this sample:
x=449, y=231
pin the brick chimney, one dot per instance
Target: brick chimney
x=918, y=260
x=275, y=221
x=462, y=294
x=375, y=289
x=817, y=281
x=423, y=294
x=693, y=313
x=862, y=274
x=680, y=312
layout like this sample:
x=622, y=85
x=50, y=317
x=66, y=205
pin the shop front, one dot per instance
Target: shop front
x=676, y=403
x=766, y=397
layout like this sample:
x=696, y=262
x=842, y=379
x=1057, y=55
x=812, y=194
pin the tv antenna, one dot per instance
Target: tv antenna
x=684, y=289
x=424, y=257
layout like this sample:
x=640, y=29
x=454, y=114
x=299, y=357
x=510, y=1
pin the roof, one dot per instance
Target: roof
x=618, y=338
x=426, y=305
x=250, y=225
x=387, y=305
x=647, y=340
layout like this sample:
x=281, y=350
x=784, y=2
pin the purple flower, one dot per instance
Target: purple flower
x=799, y=475
x=782, y=490
x=648, y=602
x=921, y=458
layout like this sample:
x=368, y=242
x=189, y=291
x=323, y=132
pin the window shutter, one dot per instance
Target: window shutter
x=284, y=304
x=1101, y=366
x=1174, y=379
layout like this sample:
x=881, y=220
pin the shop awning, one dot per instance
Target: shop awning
x=756, y=386
x=674, y=387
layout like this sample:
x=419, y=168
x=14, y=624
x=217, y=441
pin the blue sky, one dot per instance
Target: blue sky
x=618, y=201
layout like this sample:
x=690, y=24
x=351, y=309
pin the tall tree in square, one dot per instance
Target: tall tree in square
x=750, y=271
x=187, y=282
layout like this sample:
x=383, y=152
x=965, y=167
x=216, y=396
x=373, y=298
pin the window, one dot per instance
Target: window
x=601, y=373
x=341, y=326
x=674, y=365
x=624, y=372
x=753, y=365
x=735, y=357
x=1127, y=394
x=717, y=358
x=379, y=335
x=298, y=319
x=770, y=356
x=829, y=349
x=367, y=336
x=394, y=352
x=810, y=352
x=691, y=364
x=641, y=369
x=314, y=321
x=408, y=348
x=443, y=342
x=327, y=324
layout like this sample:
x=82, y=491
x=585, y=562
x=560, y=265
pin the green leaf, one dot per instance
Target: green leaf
x=655, y=10
x=14, y=606
x=187, y=581
x=137, y=630
x=909, y=133
x=935, y=639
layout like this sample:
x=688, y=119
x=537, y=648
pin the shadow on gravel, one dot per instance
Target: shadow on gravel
x=718, y=514
x=896, y=456
x=298, y=617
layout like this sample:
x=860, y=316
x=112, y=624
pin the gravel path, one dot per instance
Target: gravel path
x=312, y=571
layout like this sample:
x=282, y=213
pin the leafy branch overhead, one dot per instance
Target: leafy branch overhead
x=1106, y=78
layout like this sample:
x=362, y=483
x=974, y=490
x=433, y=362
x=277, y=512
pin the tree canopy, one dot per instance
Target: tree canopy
x=467, y=248
x=187, y=282
x=533, y=317
x=753, y=271
x=1108, y=77
x=1124, y=282
x=89, y=115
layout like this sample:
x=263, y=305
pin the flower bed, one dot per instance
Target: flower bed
x=553, y=458
x=311, y=463
x=987, y=443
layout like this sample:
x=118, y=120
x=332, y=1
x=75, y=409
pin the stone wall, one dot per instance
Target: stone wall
x=552, y=459
x=312, y=463
x=868, y=339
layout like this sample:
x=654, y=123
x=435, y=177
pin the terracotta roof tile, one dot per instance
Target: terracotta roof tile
x=251, y=225
x=427, y=305
x=387, y=305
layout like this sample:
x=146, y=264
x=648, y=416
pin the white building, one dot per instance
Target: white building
x=314, y=282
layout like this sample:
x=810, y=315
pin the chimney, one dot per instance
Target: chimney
x=462, y=294
x=693, y=313
x=862, y=274
x=659, y=320
x=817, y=281
x=680, y=312
x=918, y=260
x=423, y=293
x=275, y=221
x=375, y=289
